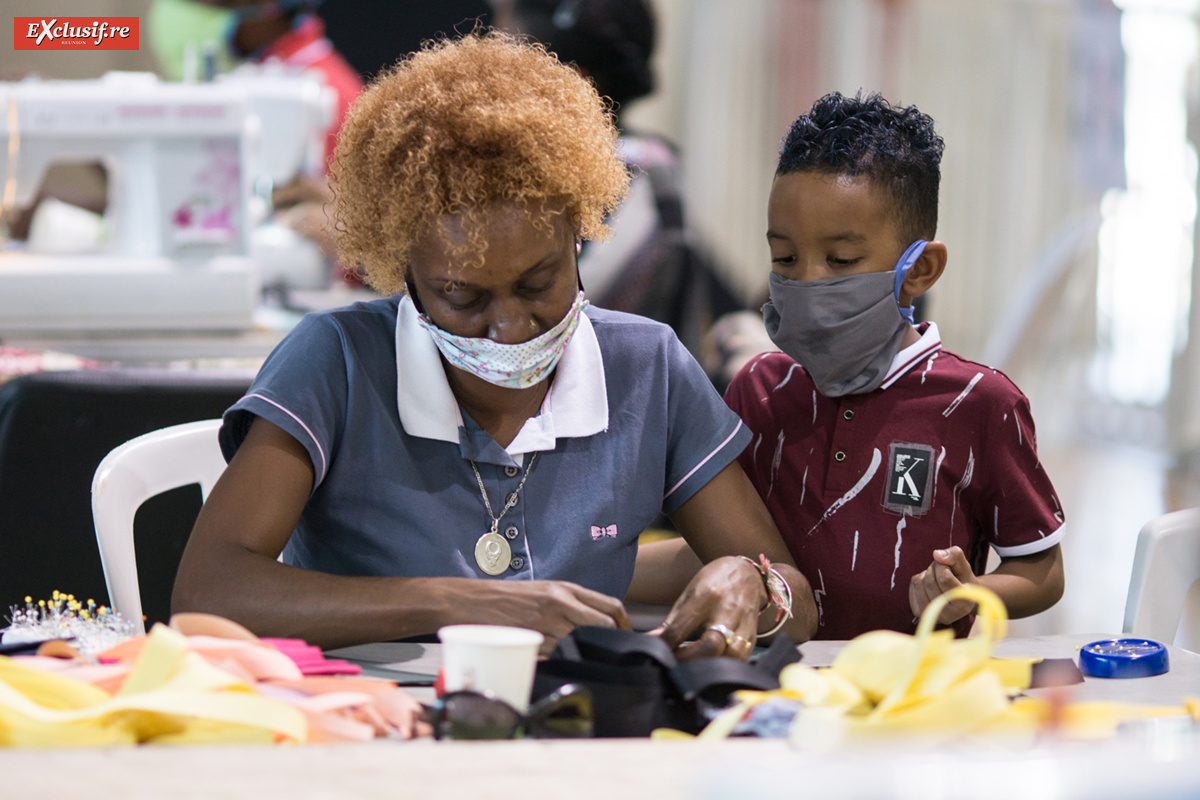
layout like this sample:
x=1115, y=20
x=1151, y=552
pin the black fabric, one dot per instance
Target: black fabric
x=55, y=428
x=1054, y=672
x=637, y=684
x=713, y=680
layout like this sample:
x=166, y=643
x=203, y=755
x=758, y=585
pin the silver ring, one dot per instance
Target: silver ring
x=724, y=630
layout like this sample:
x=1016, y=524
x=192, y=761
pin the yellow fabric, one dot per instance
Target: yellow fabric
x=931, y=685
x=651, y=535
x=171, y=695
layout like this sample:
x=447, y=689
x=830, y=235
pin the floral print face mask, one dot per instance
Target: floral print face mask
x=514, y=366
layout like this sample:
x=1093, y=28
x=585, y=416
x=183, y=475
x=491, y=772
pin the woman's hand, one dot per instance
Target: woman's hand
x=727, y=518
x=724, y=599
x=554, y=608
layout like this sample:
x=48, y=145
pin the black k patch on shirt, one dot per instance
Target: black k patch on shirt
x=909, y=479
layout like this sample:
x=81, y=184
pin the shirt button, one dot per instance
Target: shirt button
x=511, y=531
x=512, y=499
x=839, y=456
x=848, y=414
x=511, y=471
x=517, y=562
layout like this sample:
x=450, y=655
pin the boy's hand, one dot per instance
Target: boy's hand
x=949, y=569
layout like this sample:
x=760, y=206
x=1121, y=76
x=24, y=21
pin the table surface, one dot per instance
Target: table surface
x=637, y=768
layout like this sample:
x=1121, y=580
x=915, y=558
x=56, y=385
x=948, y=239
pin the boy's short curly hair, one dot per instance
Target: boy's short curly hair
x=894, y=147
x=456, y=126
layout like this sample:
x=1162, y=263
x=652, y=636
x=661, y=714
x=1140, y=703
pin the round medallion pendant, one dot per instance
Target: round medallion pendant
x=492, y=553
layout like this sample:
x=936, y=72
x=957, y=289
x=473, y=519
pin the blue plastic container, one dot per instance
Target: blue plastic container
x=1123, y=658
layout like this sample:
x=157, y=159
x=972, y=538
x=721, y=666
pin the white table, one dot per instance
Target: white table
x=631, y=769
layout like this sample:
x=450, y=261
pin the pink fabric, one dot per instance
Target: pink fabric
x=310, y=659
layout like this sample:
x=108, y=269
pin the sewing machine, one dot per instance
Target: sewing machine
x=189, y=168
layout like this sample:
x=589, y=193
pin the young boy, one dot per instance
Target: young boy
x=889, y=464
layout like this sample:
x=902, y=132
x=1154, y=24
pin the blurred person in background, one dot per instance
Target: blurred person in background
x=653, y=264
x=198, y=39
x=241, y=31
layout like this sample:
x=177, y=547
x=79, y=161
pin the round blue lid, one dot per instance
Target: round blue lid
x=1123, y=658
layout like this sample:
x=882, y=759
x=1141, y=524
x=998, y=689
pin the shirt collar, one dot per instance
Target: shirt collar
x=929, y=343
x=575, y=406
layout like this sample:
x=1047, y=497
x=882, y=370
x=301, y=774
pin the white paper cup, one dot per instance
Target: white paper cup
x=490, y=658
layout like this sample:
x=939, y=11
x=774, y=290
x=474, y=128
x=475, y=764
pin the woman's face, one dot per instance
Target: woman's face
x=525, y=286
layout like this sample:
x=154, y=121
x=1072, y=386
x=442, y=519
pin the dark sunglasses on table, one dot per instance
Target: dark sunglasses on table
x=566, y=713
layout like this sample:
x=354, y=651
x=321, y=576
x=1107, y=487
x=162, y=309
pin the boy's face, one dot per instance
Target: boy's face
x=826, y=226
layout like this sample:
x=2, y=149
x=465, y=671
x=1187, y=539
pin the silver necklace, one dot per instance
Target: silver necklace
x=492, y=551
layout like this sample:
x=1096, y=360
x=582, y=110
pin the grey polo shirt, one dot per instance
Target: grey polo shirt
x=630, y=426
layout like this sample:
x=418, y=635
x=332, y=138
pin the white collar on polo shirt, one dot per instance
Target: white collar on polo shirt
x=929, y=343
x=575, y=406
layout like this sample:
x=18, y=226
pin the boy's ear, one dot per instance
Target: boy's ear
x=925, y=272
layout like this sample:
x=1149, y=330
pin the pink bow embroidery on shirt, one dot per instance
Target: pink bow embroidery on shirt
x=599, y=532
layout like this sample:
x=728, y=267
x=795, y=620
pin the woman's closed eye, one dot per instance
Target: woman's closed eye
x=460, y=300
x=536, y=287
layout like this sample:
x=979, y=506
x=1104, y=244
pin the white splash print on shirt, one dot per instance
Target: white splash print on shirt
x=814, y=406
x=966, y=481
x=754, y=454
x=786, y=378
x=1058, y=514
x=1020, y=436
x=775, y=464
x=757, y=359
x=937, y=469
x=817, y=595
x=961, y=395
x=804, y=484
x=928, y=366
x=899, y=539
x=996, y=521
x=876, y=459
x=854, y=555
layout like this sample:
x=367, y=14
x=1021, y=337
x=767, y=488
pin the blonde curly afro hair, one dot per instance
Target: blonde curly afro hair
x=461, y=124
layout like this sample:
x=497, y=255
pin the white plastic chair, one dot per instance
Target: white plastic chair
x=1162, y=603
x=180, y=455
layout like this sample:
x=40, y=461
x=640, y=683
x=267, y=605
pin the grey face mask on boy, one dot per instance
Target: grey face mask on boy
x=844, y=331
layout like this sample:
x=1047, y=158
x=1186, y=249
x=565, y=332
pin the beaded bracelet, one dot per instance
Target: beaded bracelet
x=779, y=594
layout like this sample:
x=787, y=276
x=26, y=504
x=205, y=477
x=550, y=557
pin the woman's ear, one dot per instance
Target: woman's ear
x=925, y=272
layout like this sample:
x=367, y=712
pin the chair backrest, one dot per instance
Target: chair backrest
x=1161, y=604
x=55, y=429
x=180, y=455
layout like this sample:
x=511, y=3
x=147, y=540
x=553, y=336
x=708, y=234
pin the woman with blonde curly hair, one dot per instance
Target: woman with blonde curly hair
x=479, y=445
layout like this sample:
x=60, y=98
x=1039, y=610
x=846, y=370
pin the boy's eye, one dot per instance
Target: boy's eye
x=843, y=262
x=783, y=260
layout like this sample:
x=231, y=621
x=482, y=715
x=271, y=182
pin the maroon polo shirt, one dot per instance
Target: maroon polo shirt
x=865, y=487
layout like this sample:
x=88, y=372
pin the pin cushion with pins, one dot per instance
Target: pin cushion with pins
x=1123, y=658
x=89, y=627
